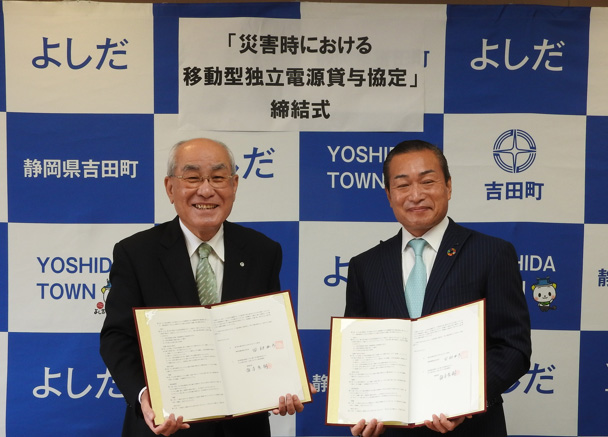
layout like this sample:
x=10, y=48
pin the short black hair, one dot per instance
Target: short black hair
x=415, y=146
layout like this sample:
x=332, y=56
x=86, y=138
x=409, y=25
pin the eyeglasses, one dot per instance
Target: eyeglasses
x=216, y=181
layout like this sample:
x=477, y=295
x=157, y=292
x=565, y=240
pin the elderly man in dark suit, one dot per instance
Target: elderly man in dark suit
x=461, y=266
x=157, y=267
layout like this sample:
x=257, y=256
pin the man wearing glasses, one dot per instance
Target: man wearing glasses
x=158, y=267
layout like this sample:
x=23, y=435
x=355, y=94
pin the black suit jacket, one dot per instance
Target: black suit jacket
x=481, y=267
x=152, y=268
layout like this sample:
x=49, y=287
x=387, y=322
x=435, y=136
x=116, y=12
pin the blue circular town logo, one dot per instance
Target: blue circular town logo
x=514, y=151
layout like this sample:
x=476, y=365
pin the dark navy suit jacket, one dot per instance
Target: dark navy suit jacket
x=480, y=267
x=152, y=268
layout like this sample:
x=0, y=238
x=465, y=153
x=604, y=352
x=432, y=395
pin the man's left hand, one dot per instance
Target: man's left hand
x=291, y=404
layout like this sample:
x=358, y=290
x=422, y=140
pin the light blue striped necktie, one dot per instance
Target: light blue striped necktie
x=416, y=281
x=205, y=277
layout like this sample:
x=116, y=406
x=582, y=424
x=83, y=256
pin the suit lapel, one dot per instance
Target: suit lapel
x=236, y=262
x=393, y=273
x=177, y=266
x=449, y=250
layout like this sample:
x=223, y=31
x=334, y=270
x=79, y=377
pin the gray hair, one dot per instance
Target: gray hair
x=173, y=152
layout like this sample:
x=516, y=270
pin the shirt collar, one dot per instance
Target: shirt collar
x=192, y=241
x=433, y=236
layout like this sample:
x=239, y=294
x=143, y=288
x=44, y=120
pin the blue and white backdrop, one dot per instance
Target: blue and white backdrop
x=311, y=97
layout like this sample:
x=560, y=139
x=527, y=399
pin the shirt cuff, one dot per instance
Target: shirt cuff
x=141, y=393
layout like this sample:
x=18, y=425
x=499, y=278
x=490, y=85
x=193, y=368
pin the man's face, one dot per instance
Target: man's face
x=202, y=209
x=417, y=191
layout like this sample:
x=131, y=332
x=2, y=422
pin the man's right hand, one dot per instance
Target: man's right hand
x=168, y=427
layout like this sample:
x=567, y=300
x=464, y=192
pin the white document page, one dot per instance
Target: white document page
x=447, y=362
x=185, y=353
x=375, y=370
x=256, y=352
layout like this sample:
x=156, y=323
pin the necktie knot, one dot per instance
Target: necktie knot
x=418, y=245
x=204, y=250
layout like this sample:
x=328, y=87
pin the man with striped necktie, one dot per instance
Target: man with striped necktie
x=164, y=266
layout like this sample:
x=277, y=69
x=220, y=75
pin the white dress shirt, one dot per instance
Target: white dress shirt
x=216, y=257
x=433, y=239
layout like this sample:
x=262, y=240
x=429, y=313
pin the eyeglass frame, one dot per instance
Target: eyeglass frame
x=201, y=180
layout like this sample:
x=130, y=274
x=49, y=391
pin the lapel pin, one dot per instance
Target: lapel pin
x=451, y=252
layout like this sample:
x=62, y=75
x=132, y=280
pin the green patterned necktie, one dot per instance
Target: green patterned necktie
x=416, y=281
x=205, y=277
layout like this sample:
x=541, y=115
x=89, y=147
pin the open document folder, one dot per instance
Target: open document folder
x=403, y=371
x=223, y=360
